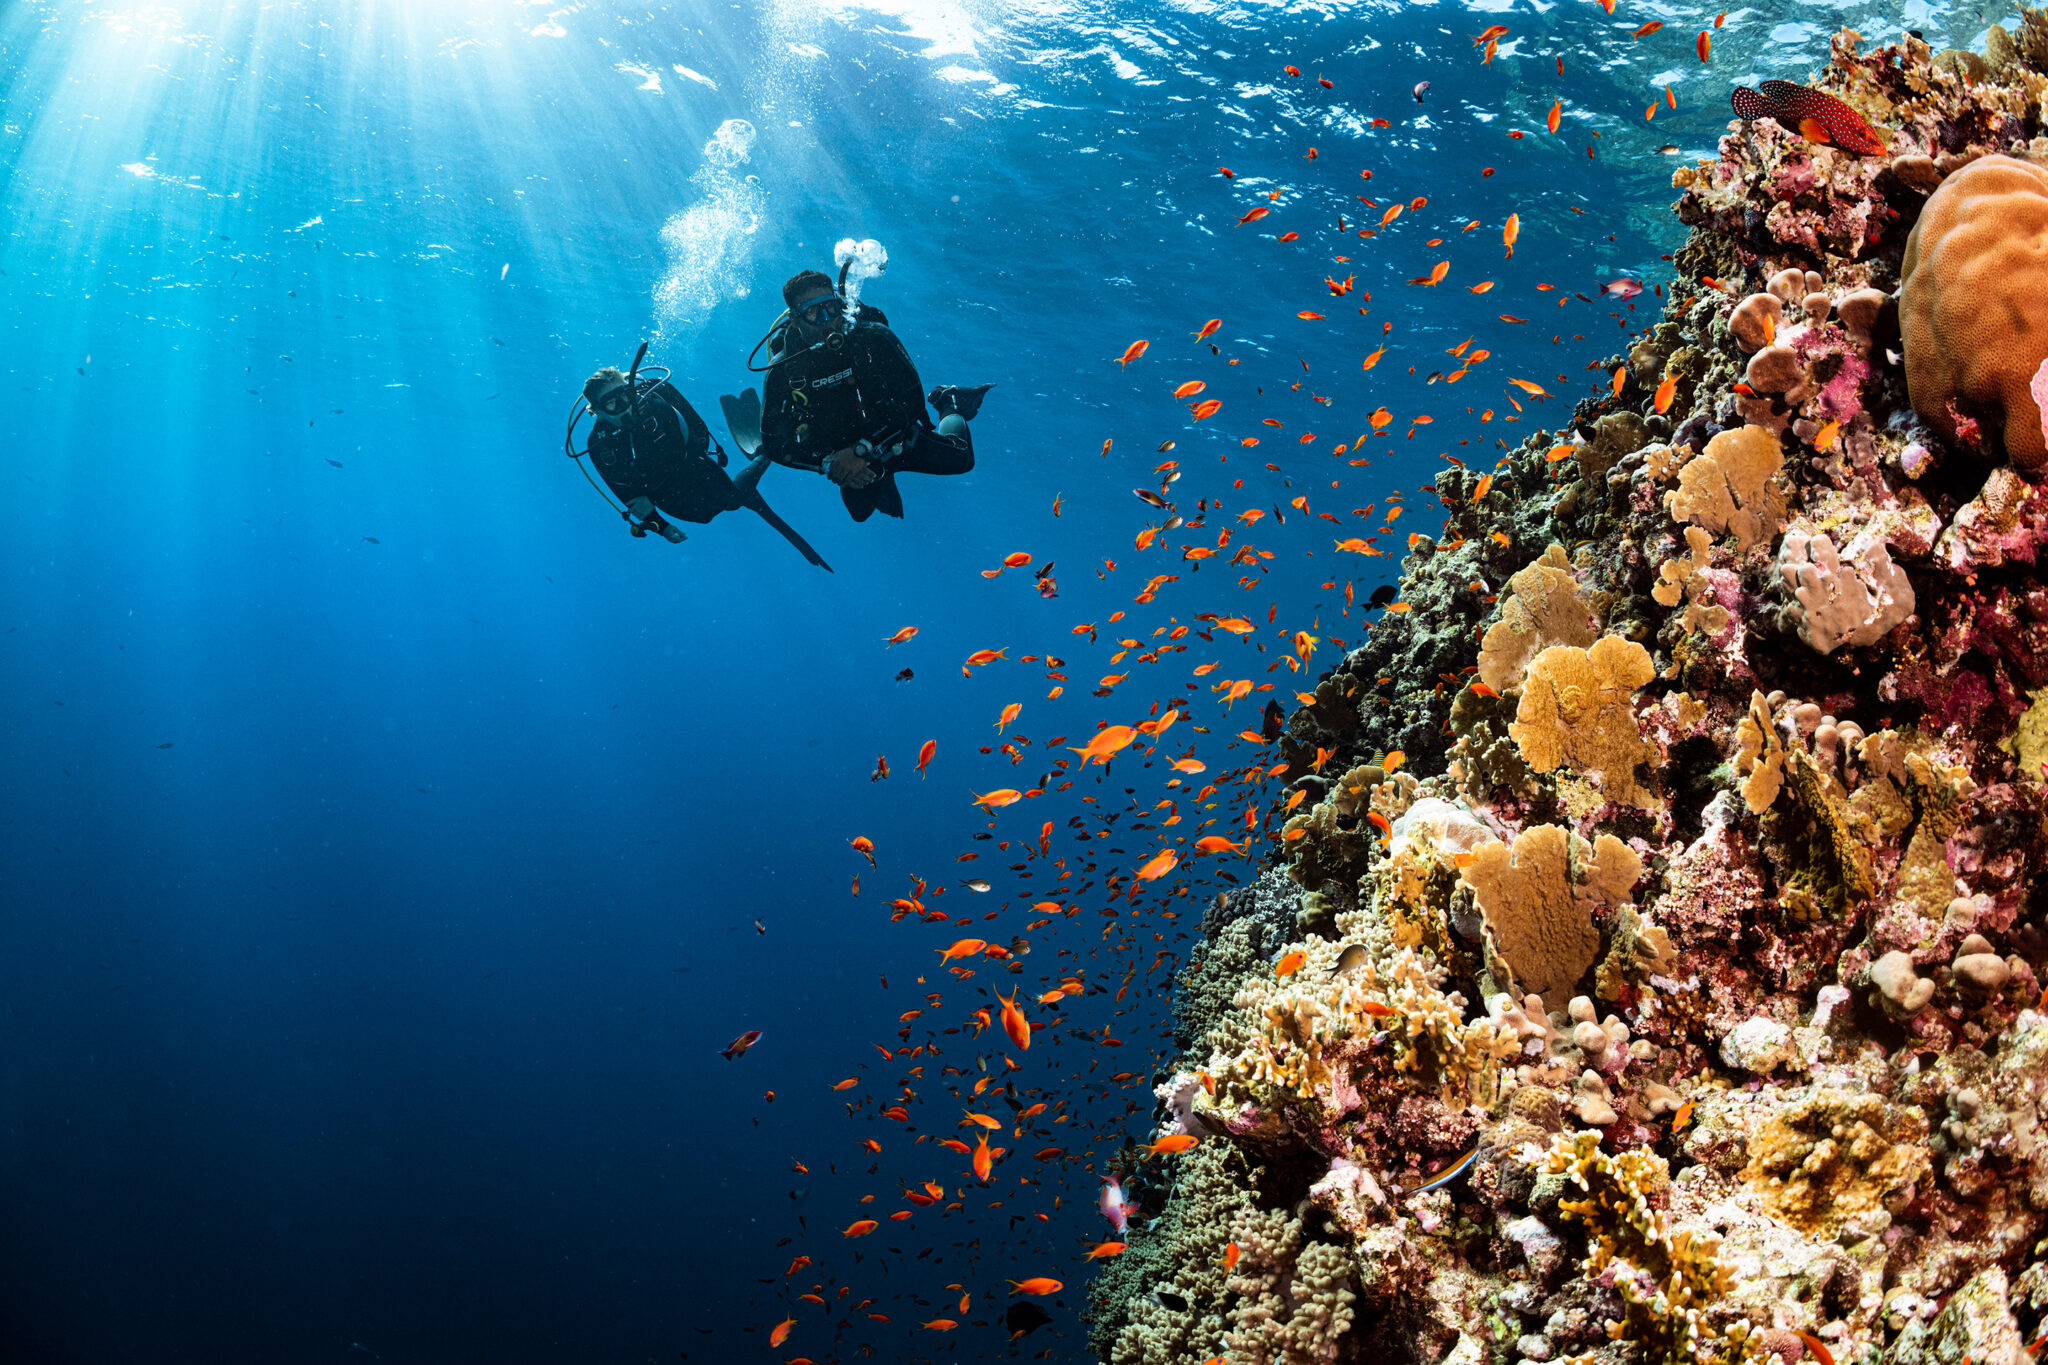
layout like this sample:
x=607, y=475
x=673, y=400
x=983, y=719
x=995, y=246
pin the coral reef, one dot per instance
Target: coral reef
x=1676, y=1002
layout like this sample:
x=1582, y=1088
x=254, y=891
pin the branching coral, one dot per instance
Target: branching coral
x=1576, y=712
x=1667, y=1278
x=1294, y=1297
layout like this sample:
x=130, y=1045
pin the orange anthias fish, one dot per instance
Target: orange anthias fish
x=924, y=755
x=1661, y=399
x=984, y=1160
x=1208, y=329
x=1290, y=964
x=863, y=846
x=1037, y=1285
x=1009, y=714
x=966, y=947
x=861, y=1228
x=1510, y=231
x=1106, y=744
x=1190, y=389
x=1208, y=407
x=985, y=656
x=1647, y=29
x=1015, y=1024
x=779, y=1333
x=1133, y=351
x=1158, y=865
x=1555, y=116
x=1704, y=45
x=907, y=633
x=1104, y=1250
x=1016, y=560
x=1001, y=796
x=1215, y=843
x=1491, y=32
x=1170, y=1146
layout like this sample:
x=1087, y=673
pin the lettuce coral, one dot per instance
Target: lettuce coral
x=1577, y=712
x=1538, y=897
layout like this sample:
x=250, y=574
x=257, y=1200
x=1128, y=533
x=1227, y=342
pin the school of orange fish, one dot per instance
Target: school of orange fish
x=969, y=1050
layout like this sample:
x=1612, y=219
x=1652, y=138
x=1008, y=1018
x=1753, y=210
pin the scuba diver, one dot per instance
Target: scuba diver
x=655, y=454
x=842, y=399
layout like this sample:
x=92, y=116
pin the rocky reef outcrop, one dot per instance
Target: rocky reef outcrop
x=1676, y=1000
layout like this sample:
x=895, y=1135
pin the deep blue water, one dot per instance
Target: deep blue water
x=384, y=828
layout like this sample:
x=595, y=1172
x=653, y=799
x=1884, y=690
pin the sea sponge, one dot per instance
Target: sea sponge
x=1730, y=486
x=1973, y=331
x=1837, y=1158
x=1837, y=603
x=1576, y=711
x=1538, y=899
x=1542, y=607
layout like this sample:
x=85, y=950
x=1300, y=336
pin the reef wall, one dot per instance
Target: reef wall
x=1702, y=914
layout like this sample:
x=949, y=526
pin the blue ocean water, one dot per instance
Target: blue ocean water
x=386, y=830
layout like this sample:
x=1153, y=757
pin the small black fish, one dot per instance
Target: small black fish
x=373, y=540
x=1381, y=595
x=1147, y=495
x=1351, y=959
x=165, y=746
x=1274, y=723
x=1172, y=1300
x=335, y=463
x=905, y=676
x=1024, y=1316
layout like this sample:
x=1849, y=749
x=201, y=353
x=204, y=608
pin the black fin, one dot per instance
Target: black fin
x=743, y=419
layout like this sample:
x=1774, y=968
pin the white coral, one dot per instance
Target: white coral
x=1853, y=596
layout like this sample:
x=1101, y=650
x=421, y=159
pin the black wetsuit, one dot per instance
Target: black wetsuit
x=862, y=389
x=665, y=457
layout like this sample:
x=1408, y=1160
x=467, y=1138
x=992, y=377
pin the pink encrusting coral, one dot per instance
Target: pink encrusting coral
x=1678, y=1000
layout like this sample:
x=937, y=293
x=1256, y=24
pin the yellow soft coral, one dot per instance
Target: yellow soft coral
x=1542, y=607
x=1729, y=487
x=1538, y=900
x=1759, y=756
x=1576, y=712
x=1971, y=341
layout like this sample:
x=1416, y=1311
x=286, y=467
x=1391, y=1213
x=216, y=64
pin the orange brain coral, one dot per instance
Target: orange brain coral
x=1973, y=309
